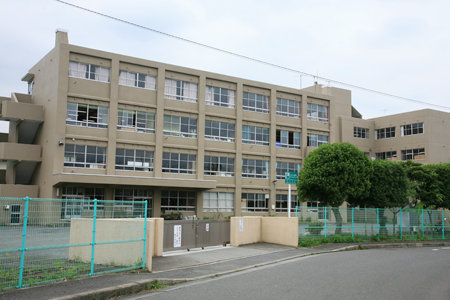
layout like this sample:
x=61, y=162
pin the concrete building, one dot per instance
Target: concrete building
x=107, y=126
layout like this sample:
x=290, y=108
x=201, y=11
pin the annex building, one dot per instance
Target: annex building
x=99, y=125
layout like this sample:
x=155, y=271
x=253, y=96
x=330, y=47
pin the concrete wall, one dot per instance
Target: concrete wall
x=282, y=231
x=113, y=230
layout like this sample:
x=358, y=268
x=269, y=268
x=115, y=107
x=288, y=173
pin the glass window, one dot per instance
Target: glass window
x=88, y=71
x=135, y=121
x=83, y=156
x=282, y=203
x=134, y=160
x=361, y=133
x=288, y=139
x=220, y=97
x=85, y=195
x=255, y=102
x=180, y=90
x=180, y=163
x=411, y=129
x=283, y=167
x=255, y=202
x=317, y=113
x=218, y=202
x=219, y=166
x=79, y=114
x=180, y=126
x=253, y=168
x=315, y=140
x=288, y=108
x=178, y=201
x=133, y=201
x=389, y=155
x=219, y=131
x=413, y=154
x=385, y=133
x=255, y=135
x=139, y=80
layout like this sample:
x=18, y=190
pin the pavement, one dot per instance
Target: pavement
x=181, y=266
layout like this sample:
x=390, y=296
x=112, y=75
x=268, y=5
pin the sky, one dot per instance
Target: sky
x=397, y=47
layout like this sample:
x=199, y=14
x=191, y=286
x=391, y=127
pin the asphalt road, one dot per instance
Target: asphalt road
x=414, y=273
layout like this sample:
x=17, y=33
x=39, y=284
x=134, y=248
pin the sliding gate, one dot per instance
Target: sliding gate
x=188, y=234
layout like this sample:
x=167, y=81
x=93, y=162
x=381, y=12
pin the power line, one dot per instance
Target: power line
x=256, y=60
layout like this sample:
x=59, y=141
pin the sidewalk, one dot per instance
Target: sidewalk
x=181, y=266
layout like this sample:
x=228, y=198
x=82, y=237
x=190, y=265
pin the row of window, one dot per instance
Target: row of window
x=138, y=121
x=188, y=91
x=409, y=154
x=405, y=130
x=133, y=201
x=94, y=157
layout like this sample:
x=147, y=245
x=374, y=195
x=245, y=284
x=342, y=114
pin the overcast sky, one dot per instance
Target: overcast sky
x=397, y=47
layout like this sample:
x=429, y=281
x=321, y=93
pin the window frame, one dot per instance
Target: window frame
x=170, y=159
x=127, y=115
x=90, y=71
x=412, y=153
x=73, y=114
x=226, y=162
x=319, y=141
x=140, y=80
x=189, y=132
x=70, y=158
x=259, y=205
x=184, y=90
x=385, y=133
x=284, y=139
x=86, y=199
x=281, y=205
x=251, y=166
x=361, y=133
x=317, y=113
x=215, y=96
x=176, y=196
x=227, y=200
x=387, y=155
x=408, y=129
x=285, y=109
x=250, y=102
x=223, y=127
x=146, y=161
x=255, y=131
x=283, y=166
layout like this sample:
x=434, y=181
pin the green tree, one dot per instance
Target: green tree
x=443, y=172
x=389, y=189
x=332, y=174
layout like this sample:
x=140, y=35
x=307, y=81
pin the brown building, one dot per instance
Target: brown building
x=108, y=126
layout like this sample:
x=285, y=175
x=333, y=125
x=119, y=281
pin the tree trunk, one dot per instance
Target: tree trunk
x=337, y=215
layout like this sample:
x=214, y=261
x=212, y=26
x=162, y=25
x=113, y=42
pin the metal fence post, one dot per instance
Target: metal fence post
x=401, y=225
x=296, y=207
x=423, y=233
x=94, y=221
x=353, y=223
x=325, y=221
x=145, y=235
x=378, y=223
x=24, y=240
x=443, y=227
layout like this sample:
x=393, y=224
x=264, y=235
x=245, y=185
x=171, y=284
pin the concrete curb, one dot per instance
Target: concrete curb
x=139, y=286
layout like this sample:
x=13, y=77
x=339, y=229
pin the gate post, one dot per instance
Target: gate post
x=94, y=221
x=24, y=240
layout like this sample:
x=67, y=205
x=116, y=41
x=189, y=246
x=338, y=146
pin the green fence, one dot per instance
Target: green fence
x=45, y=240
x=374, y=223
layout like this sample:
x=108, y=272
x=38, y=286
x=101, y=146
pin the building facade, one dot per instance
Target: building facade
x=98, y=125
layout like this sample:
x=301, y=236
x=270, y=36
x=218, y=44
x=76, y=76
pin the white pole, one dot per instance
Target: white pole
x=289, y=202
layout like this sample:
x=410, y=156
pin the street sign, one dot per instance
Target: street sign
x=290, y=177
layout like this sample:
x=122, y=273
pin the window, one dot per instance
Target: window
x=413, y=154
x=255, y=202
x=88, y=71
x=361, y=133
x=219, y=166
x=283, y=167
x=255, y=135
x=178, y=201
x=315, y=140
x=139, y=80
x=317, y=113
x=79, y=114
x=220, y=97
x=133, y=200
x=253, y=168
x=180, y=126
x=86, y=195
x=282, y=203
x=181, y=90
x=255, y=102
x=136, y=121
x=82, y=156
x=385, y=133
x=134, y=160
x=217, y=201
x=288, y=108
x=288, y=139
x=219, y=131
x=389, y=155
x=411, y=129
x=180, y=163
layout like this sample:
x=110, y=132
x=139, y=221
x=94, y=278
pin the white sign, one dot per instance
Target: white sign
x=241, y=225
x=207, y=227
x=176, y=236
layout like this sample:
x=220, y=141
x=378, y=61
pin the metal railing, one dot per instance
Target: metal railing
x=46, y=240
x=374, y=223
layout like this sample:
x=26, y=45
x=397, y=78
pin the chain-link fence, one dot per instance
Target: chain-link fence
x=45, y=240
x=374, y=223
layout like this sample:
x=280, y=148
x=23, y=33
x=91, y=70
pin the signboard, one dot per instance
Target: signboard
x=241, y=225
x=290, y=177
x=207, y=226
x=177, y=236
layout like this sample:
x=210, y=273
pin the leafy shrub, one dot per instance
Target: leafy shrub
x=315, y=228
